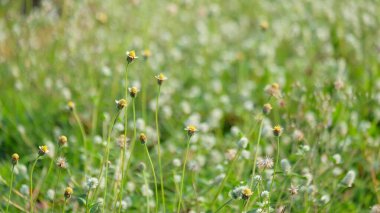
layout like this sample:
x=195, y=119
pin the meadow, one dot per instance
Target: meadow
x=190, y=106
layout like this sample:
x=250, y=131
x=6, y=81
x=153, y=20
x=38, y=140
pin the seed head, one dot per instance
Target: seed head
x=62, y=163
x=293, y=190
x=133, y=91
x=71, y=105
x=277, y=130
x=267, y=108
x=131, y=55
x=242, y=143
x=68, y=192
x=273, y=90
x=42, y=150
x=122, y=103
x=191, y=129
x=143, y=138
x=122, y=140
x=62, y=140
x=15, y=159
x=265, y=163
x=161, y=78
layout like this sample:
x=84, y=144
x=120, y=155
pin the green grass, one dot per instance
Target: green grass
x=219, y=61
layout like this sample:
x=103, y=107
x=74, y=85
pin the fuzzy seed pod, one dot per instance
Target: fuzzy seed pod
x=349, y=179
x=242, y=143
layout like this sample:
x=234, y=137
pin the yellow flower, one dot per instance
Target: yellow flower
x=133, y=91
x=264, y=25
x=277, y=130
x=146, y=54
x=143, y=138
x=62, y=140
x=121, y=103
x=247, y=192
x=267, y=108
x=161, y=78
x=42, y=150
x=191, y=129
x=131, y=55
x=71, y=105
x=68, y=192
x=15, y=158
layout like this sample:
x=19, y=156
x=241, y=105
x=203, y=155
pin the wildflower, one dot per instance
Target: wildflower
x=71, y=105
x=122, y=103
x=61, y=163
x=68, y=192
x=15, y=158
x=298, y=135
x=141, y=166
x=277, y=130
x=177, y=162
x=257, y=178
x=50, y=194
x=92, y=183
x=265, y=163
x=146, y=191
x=62, y=140
x=42, y=150
x=102, y=17
x=133, y=91
x=242, y=143
x=264, y=25
x=265, y=194
x=230, y=154
x=349, y=179
x=293, y=190
x=143, y=138
x=273, y=90
x=131, y=55
x=161, y=78
x=267, y=108
x=246, y=193
x=122, y=140
x=146, y=54
x=338, y=84
x=191, y=129
x=24, y=189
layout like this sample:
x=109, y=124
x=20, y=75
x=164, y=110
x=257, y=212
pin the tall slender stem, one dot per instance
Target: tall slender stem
x=10, y=188
x=107, y=156
x=159, y=150
x=275, y=169
x=225, y=204
x=221, y=186
x=64, y=206
x=154, y=175
x=87, y=195
x=183, y=175
x=55, y=188
x=31, y=185
x=83, y=134
x=256, y=153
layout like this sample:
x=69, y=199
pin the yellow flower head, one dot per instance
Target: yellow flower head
x=62, y=140
x=143, y=138
x=247, y=192
x=267, y=108
x=15, y=158
x=42, y=150
x=191, y=129
x=71, y=105
x=68, y=192
x=264, y=25
x=102, y=17
x=147, y=53
x=131, y=55
x=133, y=91
x=121, y=103
x=277, y=130
x=161, y=78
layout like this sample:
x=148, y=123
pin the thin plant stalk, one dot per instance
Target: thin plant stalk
x=183, y=174
x=107, y=156
x=154, y=175
x=159, y=150
x=221, y=186
x=87, y=195
x=275, y=169
x=31, y=185
x=55, y=188
x=10, y=188
x=83, y=134
x=64, y=206
x=225, y=204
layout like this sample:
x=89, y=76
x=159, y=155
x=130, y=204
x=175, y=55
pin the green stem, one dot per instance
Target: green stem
x=83, y=134
x=225, y=204
x=10, y=188
x=221, y=186
x=154, y=175
x=183, y=175
x=64, y=206
x=159, y=151
x=87, y=195
x=31, y=185
x=275, y=168
x=55, y=188
x=107, y=156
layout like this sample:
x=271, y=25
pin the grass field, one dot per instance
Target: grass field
x=232, y=106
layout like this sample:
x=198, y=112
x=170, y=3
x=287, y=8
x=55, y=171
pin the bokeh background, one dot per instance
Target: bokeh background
x=219, y=56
